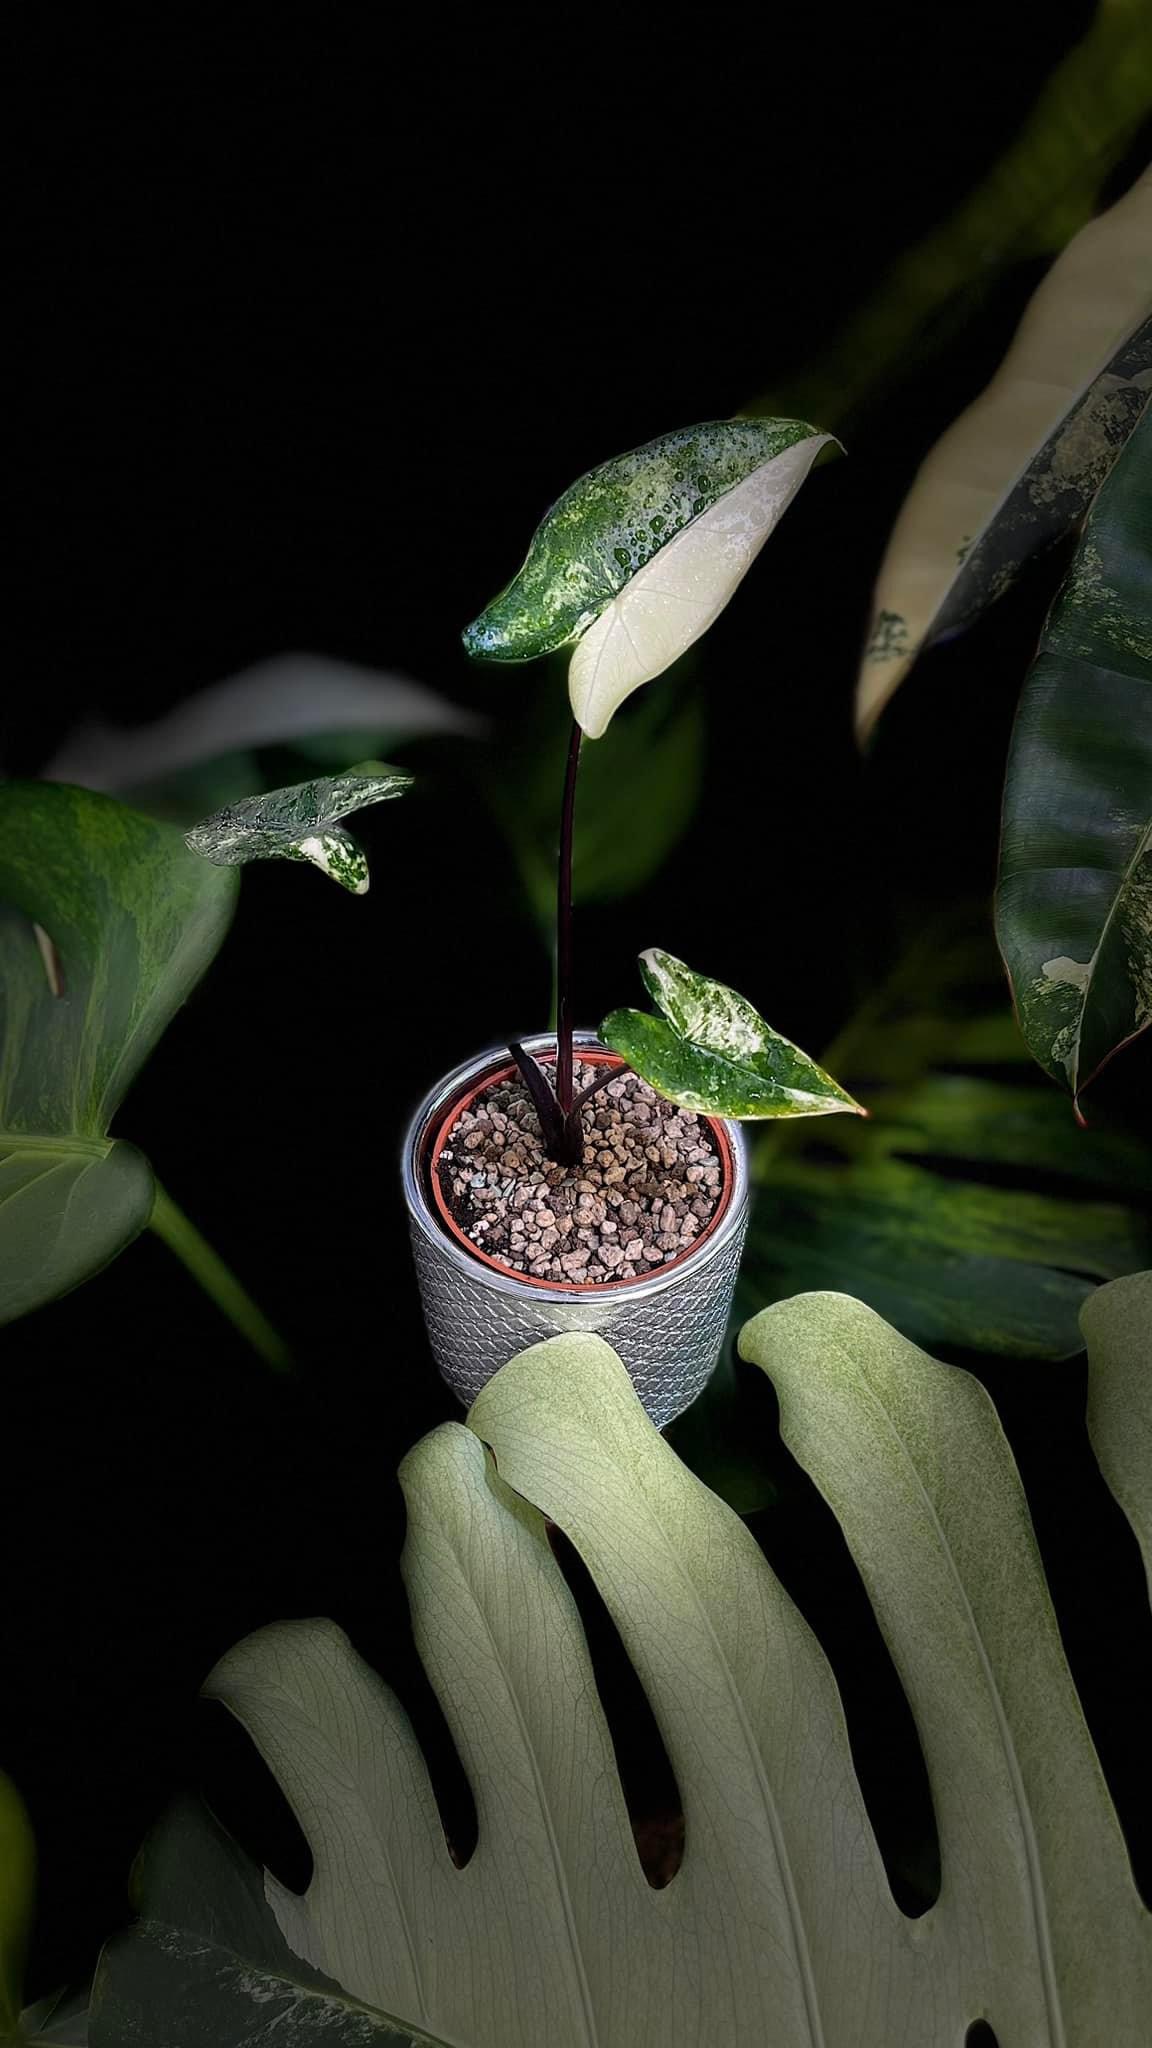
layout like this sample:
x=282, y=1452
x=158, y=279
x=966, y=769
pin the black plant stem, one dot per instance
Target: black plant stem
x=564, y=931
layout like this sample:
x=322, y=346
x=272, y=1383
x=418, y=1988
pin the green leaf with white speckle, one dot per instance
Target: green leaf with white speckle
x=638, y=558
x=301, y=823
x=713, y=1053
x=1074, y=906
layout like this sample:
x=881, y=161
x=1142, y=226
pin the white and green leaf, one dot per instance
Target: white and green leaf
x=302, y=822
x=711, y=1051
x=1018, y=470
x=638, y=558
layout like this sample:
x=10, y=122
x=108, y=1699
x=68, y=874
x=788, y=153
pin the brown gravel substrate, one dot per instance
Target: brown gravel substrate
x=649, y=1184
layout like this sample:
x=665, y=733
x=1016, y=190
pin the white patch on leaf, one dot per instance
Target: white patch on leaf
x=676, y=596
x=1069, y=973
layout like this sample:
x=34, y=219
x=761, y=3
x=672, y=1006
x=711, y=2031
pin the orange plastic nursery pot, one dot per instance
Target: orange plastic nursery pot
x=667, y=1327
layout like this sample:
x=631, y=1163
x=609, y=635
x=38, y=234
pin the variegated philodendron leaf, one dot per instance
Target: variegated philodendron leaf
x=637, y=558
x=1074, y=903
x=1020, y=467
x=712, y=1052
x=301, y=823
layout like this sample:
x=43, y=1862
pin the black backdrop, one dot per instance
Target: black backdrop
x=319, y=316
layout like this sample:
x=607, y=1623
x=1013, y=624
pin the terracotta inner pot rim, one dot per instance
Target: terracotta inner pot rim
x=435, y=1133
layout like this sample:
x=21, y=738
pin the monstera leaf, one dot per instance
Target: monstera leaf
x=1074, y=905
x=710, y=1051
x=638, y=558
x=778, y=1929
x=1019, y=469
x=969, y=1209
x=107, y=923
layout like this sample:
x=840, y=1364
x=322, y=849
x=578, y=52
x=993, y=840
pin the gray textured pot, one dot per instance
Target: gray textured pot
x=667, y=1328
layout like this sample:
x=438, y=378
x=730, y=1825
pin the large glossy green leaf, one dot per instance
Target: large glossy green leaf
x=639, y=556
x=969, y=1209
x=779, y=1929
x=128, y=920
x=1074, y=903
x=710, y=1051
x=1018, y=470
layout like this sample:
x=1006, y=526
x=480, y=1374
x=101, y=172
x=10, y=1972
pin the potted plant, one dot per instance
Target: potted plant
x=598, y=1181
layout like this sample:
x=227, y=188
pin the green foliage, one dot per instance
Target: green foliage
x=128, y=920
x=1018, y=470
x=243, y=734
x=301, y=823
x=969, y=1209
x=779, y=1929
x=638, y=792
x=1074, y=905
x=710, y=1051
x=1044, y=188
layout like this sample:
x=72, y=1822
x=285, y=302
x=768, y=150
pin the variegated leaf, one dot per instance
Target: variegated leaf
x=1019, y=468
x=713, y=1053
x=301, y=823
x=1074, y=906
x=638, y=557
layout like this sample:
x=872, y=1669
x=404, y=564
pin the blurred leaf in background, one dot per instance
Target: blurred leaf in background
x=1018, y=470
x=969, y=1210
x=1044, y=188
x=639, y=787
x=212, y=749
x=107, y=923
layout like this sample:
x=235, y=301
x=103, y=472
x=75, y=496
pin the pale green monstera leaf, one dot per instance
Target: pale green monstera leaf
x=711, y=1052
x=302, y=822
x=779, y=1929
x=638, y=558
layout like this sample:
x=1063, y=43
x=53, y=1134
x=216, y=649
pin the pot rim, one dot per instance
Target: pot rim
x=480, y=1071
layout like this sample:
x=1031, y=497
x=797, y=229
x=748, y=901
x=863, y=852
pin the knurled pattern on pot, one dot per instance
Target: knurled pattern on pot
x=667, y=1328
x=669, y=1341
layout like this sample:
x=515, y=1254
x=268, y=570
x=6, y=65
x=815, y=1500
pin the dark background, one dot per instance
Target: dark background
x=317, y=320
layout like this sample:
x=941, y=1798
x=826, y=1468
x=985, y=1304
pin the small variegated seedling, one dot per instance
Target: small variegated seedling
x=710, y=1051
x=629, y=568
x=301, y=823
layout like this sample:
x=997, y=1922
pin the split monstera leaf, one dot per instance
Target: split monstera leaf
x=639, y=556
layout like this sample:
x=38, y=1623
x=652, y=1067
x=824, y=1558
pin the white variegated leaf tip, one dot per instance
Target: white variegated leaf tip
x=677, y=595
